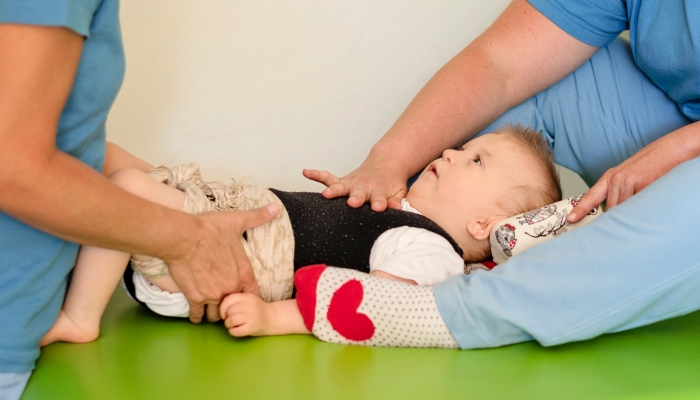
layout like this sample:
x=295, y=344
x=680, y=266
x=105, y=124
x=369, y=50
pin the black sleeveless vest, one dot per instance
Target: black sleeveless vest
x=333, y=233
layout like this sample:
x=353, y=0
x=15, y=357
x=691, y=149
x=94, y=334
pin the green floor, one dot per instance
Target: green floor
x=143, y=356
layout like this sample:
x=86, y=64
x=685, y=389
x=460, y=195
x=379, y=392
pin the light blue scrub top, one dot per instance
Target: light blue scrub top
x=34, y=265
x=664, y=35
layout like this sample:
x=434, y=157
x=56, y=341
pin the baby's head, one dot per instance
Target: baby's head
x=490, y=178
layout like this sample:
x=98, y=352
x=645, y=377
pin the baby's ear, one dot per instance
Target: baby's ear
x=480, y=229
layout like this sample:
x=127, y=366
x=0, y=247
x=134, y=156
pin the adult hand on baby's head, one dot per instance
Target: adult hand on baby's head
x=373, y=182
x=215, y=264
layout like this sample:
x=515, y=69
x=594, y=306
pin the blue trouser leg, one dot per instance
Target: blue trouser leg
x=12, y=384
x=632, y=266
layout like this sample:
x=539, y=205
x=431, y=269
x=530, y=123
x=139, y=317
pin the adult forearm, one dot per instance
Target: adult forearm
x=462, y=98
x=688, y=141
x=74, y=202
x=521, y=54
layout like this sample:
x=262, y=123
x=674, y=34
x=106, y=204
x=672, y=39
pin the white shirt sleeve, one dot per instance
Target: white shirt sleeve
x=417, y=254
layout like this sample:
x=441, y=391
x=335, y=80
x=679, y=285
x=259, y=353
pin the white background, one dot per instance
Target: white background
x=267, y=88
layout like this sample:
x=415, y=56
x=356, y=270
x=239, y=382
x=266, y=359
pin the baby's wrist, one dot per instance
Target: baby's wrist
x=271, y=320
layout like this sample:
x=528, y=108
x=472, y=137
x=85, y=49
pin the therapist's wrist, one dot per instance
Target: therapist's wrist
x=687, y=140
x=178, y=237
x=390, y=159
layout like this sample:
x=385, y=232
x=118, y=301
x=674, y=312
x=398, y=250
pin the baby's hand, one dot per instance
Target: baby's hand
x=246, y=314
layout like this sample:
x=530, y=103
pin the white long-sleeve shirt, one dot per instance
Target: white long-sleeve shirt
x=415, y=253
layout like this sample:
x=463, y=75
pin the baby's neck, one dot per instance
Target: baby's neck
x=461, y=237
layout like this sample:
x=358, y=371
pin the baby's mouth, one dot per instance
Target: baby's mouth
x=432, y=168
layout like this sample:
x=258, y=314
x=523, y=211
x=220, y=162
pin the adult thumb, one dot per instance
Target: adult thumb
x=259, y=216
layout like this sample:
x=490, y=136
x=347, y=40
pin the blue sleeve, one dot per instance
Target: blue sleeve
x=73, y=14
x=595, y=22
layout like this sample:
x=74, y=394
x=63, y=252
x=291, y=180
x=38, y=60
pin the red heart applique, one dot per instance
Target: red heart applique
x=306, y=282
x=343, y=315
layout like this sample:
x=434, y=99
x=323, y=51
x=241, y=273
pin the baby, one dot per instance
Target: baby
x=445, y=220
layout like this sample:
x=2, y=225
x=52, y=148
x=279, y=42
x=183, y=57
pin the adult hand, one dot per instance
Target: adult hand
x=216, y=265
x=639, y=171
x=371, y=181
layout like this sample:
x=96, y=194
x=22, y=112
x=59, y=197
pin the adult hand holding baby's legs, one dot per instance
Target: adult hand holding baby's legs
x=213, y=263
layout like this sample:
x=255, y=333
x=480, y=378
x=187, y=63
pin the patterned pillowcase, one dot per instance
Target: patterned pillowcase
x=514, y=235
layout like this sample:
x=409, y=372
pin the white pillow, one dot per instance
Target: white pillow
x=514, y=235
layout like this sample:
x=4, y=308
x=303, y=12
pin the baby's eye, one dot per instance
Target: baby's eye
x=461, y=148
x=477, y=160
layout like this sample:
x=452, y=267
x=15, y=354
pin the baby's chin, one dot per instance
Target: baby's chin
x=411, y=199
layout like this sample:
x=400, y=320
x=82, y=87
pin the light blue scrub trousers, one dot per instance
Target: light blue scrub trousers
x=634, y=265
x=12, y=384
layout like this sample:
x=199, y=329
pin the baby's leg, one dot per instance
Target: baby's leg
x=97, y=271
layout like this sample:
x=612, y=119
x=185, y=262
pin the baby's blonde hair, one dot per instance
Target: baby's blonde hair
x=543, y=191
x=546, y=189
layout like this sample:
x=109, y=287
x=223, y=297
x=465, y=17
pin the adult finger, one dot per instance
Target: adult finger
x=338, y=189
x=323, y=177
x=251, y=219
x=358, y=195
x=335, y=187
x=378, y=199
x=395, y=202
x=212, y=311
x=590, y=200
x=196, y=312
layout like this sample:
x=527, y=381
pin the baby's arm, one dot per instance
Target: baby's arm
x=387, y=275
x=414, y=255
x=246, y=314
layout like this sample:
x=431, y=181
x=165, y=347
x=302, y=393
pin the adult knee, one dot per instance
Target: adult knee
x=130, y=179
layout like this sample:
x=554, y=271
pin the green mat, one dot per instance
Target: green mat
x=143, y=356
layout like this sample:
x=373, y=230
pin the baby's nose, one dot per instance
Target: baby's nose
x=449, y=155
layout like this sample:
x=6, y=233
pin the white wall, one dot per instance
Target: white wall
x=266, y=88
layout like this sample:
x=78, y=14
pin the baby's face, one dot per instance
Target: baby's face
x=465, y=184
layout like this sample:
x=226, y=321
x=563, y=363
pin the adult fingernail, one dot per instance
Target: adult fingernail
x=271, y=208
x=571, y=217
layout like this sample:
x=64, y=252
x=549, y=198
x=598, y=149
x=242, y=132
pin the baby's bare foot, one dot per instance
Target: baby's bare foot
x=67, y=330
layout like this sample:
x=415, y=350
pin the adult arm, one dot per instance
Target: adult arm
x=521, y=54
x=639, y=171
x=58, y=194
